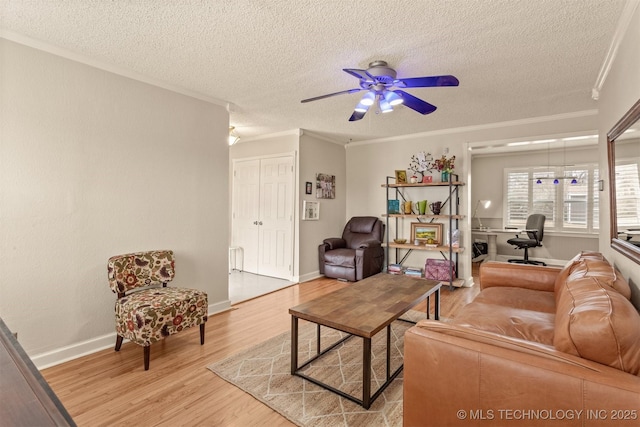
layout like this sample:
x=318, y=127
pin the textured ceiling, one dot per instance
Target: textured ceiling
x=514, y=58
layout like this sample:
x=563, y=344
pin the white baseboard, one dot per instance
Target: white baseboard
x=93, y=345
x=310, y=276
x=548, y=261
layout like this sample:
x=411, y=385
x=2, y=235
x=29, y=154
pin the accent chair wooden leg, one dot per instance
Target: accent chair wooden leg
x=147, y=352
x=118, y=342
x=202, y=333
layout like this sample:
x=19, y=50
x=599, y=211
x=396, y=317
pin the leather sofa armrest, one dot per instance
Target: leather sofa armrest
x=334, y=243
x=535, y=277
x=450, y=371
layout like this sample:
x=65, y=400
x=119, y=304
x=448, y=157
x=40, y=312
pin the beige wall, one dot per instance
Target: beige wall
x=93, y=164
x=619, y=92
x=320, y=156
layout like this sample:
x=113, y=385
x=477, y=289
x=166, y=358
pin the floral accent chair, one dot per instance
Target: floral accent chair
x=146, y=312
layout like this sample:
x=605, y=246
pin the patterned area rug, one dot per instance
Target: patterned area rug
x=264, y=372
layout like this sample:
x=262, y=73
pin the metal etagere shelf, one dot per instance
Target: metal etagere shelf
x=452, y=203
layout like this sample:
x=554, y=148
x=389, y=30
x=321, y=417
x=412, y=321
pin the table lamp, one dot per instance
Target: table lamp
x=485, y=204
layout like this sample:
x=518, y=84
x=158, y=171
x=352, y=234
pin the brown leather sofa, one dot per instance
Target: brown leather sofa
x=539, y=346
x=358, y=254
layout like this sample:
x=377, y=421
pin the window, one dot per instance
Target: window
x=627, y=194
x=567, y=197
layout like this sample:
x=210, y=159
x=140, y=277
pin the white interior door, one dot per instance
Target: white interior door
x=276, y=217
x=246, y=200
x=263, y=201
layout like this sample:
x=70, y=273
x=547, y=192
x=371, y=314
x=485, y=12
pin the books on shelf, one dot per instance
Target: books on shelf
x=395, y=269
x=413, y=272
x=407, y=271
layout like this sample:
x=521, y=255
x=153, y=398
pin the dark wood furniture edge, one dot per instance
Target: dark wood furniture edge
x=41, y=389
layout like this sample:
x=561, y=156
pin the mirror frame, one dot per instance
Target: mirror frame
x=625, y=248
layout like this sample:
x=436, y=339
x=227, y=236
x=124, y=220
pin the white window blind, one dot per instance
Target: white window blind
x=574, y=211
x=518, y=200
x=566, y=206
x=595, y=189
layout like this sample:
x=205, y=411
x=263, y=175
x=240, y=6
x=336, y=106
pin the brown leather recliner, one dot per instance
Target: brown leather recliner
x=358, y=254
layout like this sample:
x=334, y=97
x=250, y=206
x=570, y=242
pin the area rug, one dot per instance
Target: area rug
x=264, y=372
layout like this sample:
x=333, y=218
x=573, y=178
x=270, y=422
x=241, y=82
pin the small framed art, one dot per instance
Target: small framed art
x=325, y=186
x=401, y=177
x=422, y=232
x=309, y=188
x=310, y=210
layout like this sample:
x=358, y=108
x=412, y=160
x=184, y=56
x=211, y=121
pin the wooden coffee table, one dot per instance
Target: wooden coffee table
x=362, y=309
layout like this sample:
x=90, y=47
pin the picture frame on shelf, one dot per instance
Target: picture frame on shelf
x=401, y=176
x=310, y=210
x=422, y=232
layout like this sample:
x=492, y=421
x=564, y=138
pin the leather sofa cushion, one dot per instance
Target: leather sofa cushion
x=591, y=264
x=521, y=298
x=603, y=270
x=596, y=322
x=341, y=257
x=528, y=325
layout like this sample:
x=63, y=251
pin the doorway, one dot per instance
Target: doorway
x=263, y=214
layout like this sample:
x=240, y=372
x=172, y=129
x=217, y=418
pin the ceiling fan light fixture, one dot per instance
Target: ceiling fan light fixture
x=368, y=99
x=385, y=106
x=393, y=98
x=361, y=108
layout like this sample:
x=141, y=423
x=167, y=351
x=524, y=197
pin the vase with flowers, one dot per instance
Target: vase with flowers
x=445, y=166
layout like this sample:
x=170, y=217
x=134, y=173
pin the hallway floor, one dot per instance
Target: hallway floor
x=244, y=286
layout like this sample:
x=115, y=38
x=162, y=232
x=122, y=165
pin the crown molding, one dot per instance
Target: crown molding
x=115, y=69
x=297, y=132
x=621, y=29
x=321, y=137
x=497, y=125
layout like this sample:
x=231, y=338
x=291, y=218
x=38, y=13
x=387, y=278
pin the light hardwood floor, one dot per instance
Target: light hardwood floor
x=111, y=388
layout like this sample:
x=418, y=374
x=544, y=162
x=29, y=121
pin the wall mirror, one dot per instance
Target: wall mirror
x=623, y=149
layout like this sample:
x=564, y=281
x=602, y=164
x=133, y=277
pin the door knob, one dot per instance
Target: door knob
x=260, y=223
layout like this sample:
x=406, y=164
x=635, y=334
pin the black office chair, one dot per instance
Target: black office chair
x=535, y=231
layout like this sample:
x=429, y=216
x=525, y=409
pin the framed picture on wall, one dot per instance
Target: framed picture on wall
x=310, y=210
x=309, y=188
x=325, y=186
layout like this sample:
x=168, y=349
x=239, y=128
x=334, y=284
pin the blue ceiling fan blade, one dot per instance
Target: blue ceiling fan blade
x=332, y=94
x=359, y=74
x=432, y=81
x=357, y=115
x=416, y=104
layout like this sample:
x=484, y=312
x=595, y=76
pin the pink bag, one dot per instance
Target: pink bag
x=439, y=269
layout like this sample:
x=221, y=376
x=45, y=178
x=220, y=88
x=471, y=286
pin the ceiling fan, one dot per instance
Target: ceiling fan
x=378, y=80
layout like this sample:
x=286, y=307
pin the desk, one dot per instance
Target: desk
x=492, y=234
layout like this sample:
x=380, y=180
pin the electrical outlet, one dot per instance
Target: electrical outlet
x=446, y=150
